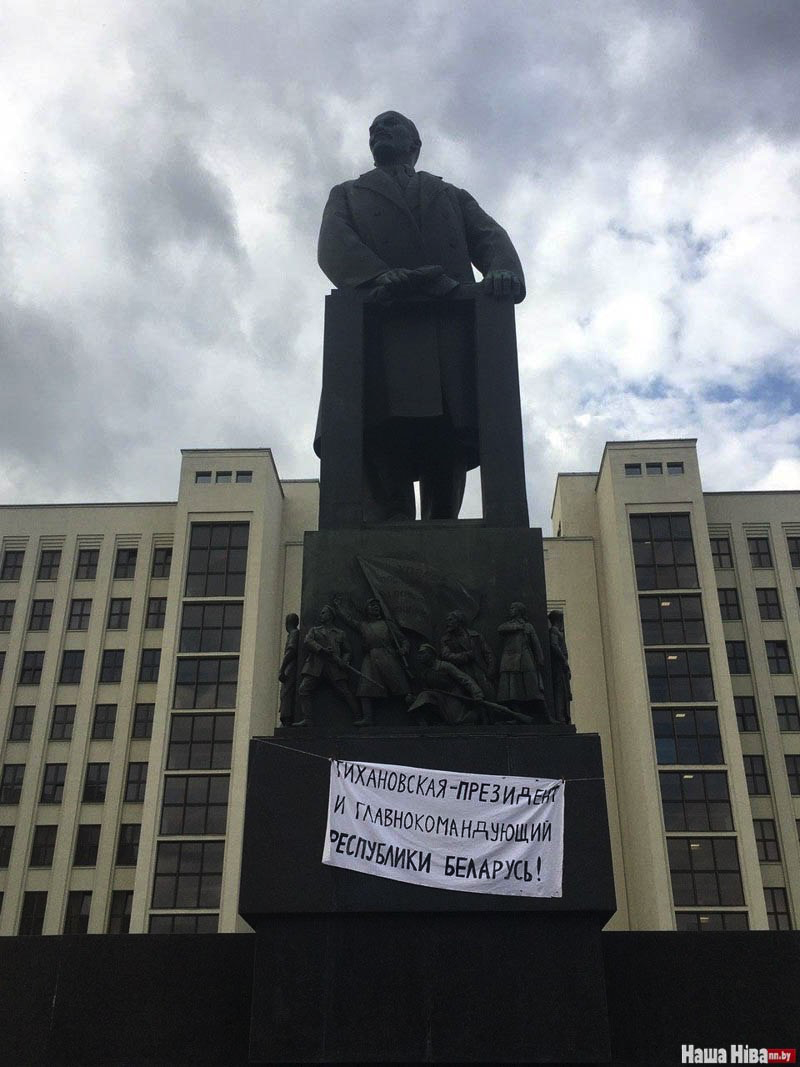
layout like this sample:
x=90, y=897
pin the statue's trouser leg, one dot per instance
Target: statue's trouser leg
x=389, y=485
x=344, y=691
x=367, y=717
x=308, y=684
x=441, y=488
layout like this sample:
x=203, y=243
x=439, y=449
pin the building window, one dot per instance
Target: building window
x=247, y=476
x=695, y=800
x=87, y=563
x=71, y=666
x=766, y=840
x=788, y=714
x=119, y=611
x=143, y=720
x=705, y=871
x=633, y=470
x=675, y=676
x=2, y=662
x=63, y=721
x=44, y=846
x=217, y=559
x=738, y=662
x=654, y=468
x=211, y=628
x=760, y=555
x=55, y=774
x=794, y=550
x=11, y=783
x=128, y=844
x=687, y=735
x=721, y=553
x=778, y=657
x=200, y=742
x=6, y=841
x=746, y=718
x=31, y=670
x=150, y=663
x=6, y=615
x=183, y=924
x=136, y=782
x=49, y=562
x=76, y=920
x=79, y=613
x=755, y=771
x=119, y=917
x=111, y=664
x=777, y=908
x=162, y=561
x=31, y=919
x=793, y=773
x=188, y=874
x=711, y=920
x=663, y=552
x=12, y=566
x=202, y=477
x=94, y=787
x=21, y=723
x=125, y=563
x=675, y=467
x=206, y=683
x=729, y=605
x=105, y=717
x=86, y=846
x=156, y=612
x=194, y=804
x=41, y=611
x=769, y=606
x=224, y=476
x=675, y=619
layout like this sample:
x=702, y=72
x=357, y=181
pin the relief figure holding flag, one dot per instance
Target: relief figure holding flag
x=382, y=670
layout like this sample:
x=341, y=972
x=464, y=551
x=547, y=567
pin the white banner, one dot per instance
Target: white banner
x=474, y=833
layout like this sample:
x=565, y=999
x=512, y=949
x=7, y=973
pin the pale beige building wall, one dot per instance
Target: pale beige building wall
x=71, y=528
x=277, y=516
x=603, y=505
x=774, y=515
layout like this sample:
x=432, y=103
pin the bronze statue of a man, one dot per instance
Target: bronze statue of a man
x=410, y=239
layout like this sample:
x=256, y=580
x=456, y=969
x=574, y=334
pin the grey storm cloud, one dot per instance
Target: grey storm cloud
x=167, y=165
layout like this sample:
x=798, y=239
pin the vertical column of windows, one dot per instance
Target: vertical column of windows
x=698, y=820
x=194, y=801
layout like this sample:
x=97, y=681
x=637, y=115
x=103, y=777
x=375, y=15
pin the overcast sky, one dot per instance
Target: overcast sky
x=165, y=165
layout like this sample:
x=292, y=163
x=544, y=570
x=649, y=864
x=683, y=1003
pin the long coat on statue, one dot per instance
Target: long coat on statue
x=419, y=362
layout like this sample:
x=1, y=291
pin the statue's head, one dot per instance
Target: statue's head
x=518, y=610
x=292, y=621
x=455, y=619
x=394, y=139
x=327, y=614
x=556, y=618
x=427, y=653
x=374, y=610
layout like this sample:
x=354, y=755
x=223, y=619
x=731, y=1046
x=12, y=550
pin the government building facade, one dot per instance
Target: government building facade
x=140, y=646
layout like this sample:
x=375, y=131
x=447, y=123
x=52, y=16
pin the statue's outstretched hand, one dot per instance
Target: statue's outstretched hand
x=503, y=283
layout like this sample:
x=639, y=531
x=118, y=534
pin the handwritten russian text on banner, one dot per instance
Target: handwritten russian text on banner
x=474, y=833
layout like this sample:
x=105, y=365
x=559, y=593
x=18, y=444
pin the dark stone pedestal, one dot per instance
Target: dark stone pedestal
x=354, y=967
x=429, y=988
x=497, y=566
